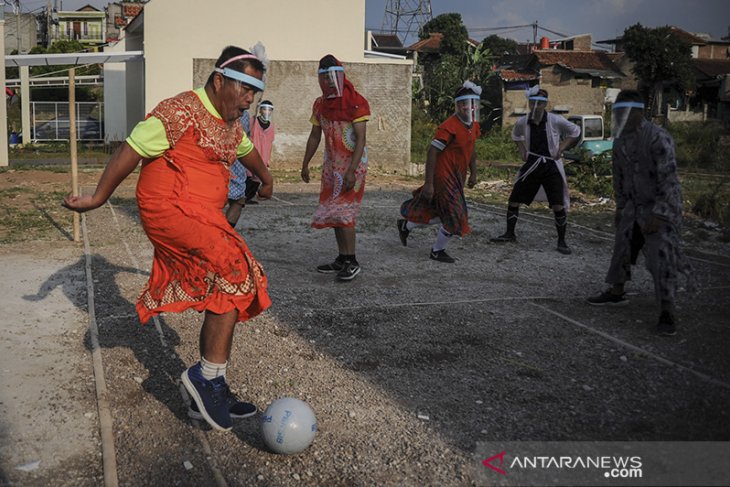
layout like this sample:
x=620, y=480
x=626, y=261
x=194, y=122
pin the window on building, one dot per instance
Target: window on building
x=592, y=128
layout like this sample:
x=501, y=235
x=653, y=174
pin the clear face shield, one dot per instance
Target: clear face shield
x=265, y=112
x=332, y=81
x=467, y=108
x=622, y=120
x=537, y=106
x=242, y=82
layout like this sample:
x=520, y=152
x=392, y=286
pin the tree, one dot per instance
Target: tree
x=660, y=57
x=453, y=29
x=456, y=61
x=499, y=45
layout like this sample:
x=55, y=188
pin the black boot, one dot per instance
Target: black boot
x=509, y=235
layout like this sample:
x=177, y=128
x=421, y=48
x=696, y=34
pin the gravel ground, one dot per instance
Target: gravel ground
x=414, y=362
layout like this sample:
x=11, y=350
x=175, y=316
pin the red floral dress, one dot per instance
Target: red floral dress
x=338, y=208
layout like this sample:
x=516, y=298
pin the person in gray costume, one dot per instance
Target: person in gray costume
x=648, y=209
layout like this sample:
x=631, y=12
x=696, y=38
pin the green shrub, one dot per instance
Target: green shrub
x=592, y=176
x=422, y=130
x=497, y=145
x=696, y=144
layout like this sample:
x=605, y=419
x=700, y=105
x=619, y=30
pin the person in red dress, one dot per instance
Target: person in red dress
x=187, y=145
x=441, y=198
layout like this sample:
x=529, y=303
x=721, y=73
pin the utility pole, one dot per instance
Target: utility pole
x=405, y=17
x=17, y=27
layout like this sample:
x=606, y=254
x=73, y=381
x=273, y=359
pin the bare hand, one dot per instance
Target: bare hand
x=305, y=174
x=427, y=192
x=472, y=180
x=349, y=180
x=79, y=203
x=266, y=190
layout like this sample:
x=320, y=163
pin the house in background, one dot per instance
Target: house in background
x=86, y=25
x=578, y=79
x=118, y=15
x=711, y=98
x=180, y=50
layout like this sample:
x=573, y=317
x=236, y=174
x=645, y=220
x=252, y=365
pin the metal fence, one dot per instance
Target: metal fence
x=50, y=121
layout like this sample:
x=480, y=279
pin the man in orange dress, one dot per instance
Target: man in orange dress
x=187, y=145
x=441, y=198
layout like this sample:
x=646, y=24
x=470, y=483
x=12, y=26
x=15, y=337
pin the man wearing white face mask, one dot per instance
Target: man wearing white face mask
x=541, y=138
x=648, y=209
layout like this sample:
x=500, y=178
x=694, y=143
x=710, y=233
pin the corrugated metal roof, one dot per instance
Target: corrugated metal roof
x=74, y=58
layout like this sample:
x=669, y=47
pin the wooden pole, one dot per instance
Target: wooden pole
x=72, y=145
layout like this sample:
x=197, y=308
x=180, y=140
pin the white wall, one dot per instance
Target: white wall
x=178, y=31
x=115, y=99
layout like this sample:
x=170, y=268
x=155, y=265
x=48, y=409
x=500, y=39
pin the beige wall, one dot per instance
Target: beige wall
x=183, y=38
x=292, y=87
x=577, y=95
x=178, y=31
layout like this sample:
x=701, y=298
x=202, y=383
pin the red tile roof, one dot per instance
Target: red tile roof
x=687, y=37
x=594, y=60
x=432, y=44
x=132, y=9
x=512, y=75
x=712, y=67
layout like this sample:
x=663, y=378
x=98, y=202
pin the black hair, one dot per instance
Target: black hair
x=630, y=95
x=239, y=64
x=265, y=102
x=328, y=61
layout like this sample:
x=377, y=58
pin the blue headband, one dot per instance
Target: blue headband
x=332, y=68
x=242, y=77
x=628, y=104
x=466, y=97
x=538, y=98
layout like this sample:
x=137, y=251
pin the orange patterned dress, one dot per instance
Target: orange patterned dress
x=200, y=262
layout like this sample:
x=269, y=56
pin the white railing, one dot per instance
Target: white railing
x=50, y=121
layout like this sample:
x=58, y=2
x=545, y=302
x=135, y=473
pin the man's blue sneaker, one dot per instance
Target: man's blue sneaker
x=211, y=397
x=237, y=409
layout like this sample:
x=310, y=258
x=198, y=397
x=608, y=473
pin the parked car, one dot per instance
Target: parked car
x=58, y=129
x=592, y=141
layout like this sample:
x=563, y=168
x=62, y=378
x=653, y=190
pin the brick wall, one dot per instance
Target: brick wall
x=292, y=87
x=578, y=96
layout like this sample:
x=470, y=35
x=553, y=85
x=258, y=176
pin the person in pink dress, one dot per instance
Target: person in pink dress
x=263, y=133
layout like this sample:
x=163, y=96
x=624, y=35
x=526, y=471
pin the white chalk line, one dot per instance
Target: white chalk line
x=596, y=233
x=635, y=348
x=530, y=300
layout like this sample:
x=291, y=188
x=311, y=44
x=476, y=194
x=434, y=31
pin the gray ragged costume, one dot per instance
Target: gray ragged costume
x=645, y=184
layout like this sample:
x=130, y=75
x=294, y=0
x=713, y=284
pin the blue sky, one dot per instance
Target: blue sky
x=604, y=19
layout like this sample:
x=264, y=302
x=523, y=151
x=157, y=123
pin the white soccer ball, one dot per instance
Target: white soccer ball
x=288, y=426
